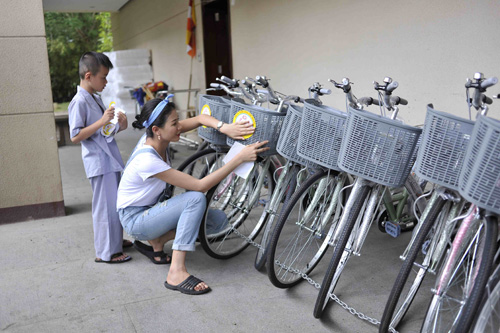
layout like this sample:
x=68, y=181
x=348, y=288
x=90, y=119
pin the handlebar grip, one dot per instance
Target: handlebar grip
x=325, y=91
x=369, y=101
x=487, y=100
x=227, y=80
x=489, y=82
x=215, y=85
x=392, y=86
x=395, y=100
x=403, y=101
x=263, y=82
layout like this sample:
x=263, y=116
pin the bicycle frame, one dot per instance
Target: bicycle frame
x=323, y=217
x=466, y=231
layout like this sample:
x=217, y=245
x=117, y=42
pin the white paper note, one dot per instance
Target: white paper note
x=243, y=170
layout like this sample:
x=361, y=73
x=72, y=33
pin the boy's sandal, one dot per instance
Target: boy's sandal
x=151, y=254
x=116, y=255
x=187, y=286
x=126, y=243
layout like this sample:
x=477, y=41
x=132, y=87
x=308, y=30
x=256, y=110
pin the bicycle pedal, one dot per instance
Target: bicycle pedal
x=392, y=229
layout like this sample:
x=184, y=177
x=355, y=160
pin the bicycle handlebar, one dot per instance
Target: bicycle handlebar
x=487, y=100
x=262, y=81
x=231, y=82
x=391, y=86
x=479, y=99
x=489, y=82
x=395, y=100
x=369, y=101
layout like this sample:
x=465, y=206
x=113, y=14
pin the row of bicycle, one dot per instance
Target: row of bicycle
x=330, y=174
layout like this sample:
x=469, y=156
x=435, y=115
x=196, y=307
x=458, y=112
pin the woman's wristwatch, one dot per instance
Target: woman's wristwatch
x=219, y=126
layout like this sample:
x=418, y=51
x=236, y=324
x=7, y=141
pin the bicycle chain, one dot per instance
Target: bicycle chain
x=315, y=284
x=247, y=239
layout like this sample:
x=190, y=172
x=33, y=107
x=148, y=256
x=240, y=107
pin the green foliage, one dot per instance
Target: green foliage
x=69, y=35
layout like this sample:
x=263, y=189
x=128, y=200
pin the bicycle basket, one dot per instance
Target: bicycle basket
x=479, y=180
x=444, y=142
x=267, y=124
x=287, y=143
x=321, y=134
x=378, y=148
x=217, y=107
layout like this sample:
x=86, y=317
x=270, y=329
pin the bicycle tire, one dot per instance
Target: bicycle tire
x=247, y=221
x=261, y=255
x=289, y=235
x=328, y=284
x=406, y=268
x=197, y=165
x=488, y=318
x=470, y=308
x=437, y=314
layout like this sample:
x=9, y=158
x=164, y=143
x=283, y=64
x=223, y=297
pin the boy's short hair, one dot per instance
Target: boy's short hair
x=91, y=62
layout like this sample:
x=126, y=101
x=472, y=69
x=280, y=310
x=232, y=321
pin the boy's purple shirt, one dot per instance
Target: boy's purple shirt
x=99, y=157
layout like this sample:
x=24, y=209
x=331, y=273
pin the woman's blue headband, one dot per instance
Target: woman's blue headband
x=156, y=112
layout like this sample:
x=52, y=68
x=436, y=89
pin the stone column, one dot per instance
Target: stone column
x=30, y=176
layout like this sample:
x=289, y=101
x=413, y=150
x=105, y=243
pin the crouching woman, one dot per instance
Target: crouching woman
x=144, y=179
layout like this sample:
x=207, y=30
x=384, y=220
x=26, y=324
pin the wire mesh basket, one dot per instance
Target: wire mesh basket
x=378, y=148
x=267, y=124
x=219, y=108
x=445, y=138
x=479, y=180
x=289, y=136
x=321, y=134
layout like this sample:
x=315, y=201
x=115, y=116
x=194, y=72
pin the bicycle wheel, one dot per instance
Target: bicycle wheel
x=199, y=165
x=344, y=245
x=488, y=319
x=302, y=233
x=453, y=309
x=236, y=211
x=340, y=256
x=285, y=192
x=409, y=278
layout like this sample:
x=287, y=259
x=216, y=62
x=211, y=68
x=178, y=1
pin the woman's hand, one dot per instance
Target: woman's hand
x=238, y=130
x=249, y=153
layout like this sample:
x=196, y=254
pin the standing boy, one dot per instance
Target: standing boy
x=101, y=159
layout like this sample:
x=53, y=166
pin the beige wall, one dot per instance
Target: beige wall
x=160, y=26
x=430, y=47
x=30, y=178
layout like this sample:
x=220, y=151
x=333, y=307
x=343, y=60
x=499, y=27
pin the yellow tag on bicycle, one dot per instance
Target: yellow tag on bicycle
x=246, y=117
x=206, y=110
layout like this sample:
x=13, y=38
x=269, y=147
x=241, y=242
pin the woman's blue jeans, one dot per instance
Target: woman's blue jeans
x=182, y=213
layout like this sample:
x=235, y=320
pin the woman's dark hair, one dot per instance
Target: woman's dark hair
x=146, y=111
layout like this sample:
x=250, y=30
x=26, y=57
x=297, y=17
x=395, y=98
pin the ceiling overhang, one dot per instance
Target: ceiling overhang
x=79, y=6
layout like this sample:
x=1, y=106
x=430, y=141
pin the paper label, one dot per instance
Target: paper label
x=243, y=170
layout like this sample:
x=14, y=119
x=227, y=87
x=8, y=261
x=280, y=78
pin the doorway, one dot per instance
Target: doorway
x=217, y=41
